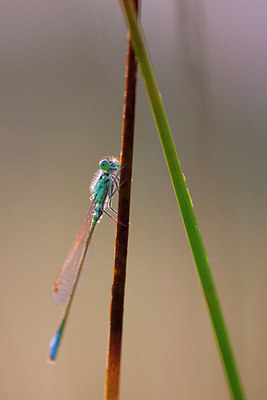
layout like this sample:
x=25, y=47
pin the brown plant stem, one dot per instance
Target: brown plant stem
x=121, y=243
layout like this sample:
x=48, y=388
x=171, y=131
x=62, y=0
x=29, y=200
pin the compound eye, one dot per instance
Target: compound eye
x=115, y=165
x=104, y=164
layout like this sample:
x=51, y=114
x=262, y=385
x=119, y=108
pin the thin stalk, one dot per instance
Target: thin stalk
x=121, y=243
x=185, y=204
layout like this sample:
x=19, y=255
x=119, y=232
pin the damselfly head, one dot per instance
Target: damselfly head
x=111, y=163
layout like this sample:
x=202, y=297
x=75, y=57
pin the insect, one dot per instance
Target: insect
x=104, y=185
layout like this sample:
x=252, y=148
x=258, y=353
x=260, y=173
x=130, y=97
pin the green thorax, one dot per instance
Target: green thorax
x=100, y=194
x=101, y=188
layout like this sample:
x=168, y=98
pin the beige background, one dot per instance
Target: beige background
x=61, y=70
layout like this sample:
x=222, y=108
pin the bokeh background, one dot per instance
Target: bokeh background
x=62, y=82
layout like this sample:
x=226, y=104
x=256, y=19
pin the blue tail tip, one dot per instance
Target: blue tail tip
x=53, y=347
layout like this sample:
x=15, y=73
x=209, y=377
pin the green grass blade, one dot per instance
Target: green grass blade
x=185, y=204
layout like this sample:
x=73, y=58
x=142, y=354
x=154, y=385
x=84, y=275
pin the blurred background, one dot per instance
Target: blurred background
x=62, y=83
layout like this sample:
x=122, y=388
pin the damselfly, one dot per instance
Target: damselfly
x=103, y=187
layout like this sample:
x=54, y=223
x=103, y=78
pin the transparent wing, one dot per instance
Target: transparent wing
x=63, y=285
